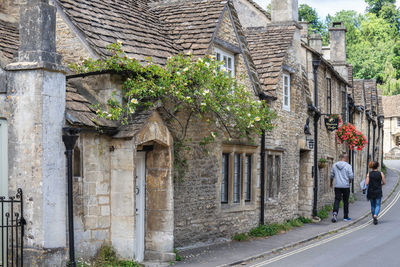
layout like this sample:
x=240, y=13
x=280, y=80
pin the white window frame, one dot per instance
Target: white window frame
x=225, y=54
x=284, y=95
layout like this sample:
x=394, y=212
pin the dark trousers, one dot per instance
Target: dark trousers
x=339, y=194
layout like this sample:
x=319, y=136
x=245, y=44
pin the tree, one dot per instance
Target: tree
x=391, y=84
x=374, y=6
x=309, y=14
x=391, y=14
x=372, y=48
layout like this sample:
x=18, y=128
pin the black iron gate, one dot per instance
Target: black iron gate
x=12, y=230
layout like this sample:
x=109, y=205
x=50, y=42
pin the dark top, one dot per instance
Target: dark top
x=375, y=185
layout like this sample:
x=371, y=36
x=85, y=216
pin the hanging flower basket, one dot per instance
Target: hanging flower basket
x=322, y=163
x=348, y=134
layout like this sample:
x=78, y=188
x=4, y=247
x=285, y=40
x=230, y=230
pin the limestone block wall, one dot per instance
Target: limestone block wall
x=247, y=12
x=92, y=194
x=68, y=43
x=286, y=136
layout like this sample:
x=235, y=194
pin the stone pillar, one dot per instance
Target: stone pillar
x=316, y=42
x=37, y=162
x=284, y=10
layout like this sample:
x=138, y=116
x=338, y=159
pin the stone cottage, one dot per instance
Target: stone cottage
x=391, y=111
x=123, y=176
x=124, y=193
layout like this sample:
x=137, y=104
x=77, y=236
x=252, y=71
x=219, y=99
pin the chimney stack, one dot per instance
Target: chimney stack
x=304, y=31
x=37, y=33
x=284, y=10
x=316, y=42
x=337, y=35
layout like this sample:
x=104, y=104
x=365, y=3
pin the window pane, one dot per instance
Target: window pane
x=398, y=122
x=218, y=56
x=269, y=190
x=225, y=61
x=277, y=175
x=229, y=63
x=286, y=101
x=236, y=179
x=286, y=80
x=225, y=177
x=247, y=189
x=285, y=91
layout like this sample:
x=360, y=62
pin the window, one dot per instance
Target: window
x=286, y=92
x=247, y=178
x=398, y=122
x=274, y=165
x=77, y=162
x=344, y=103
x=225, y=178
x=237, y=174
x=329, y=96
x=397, y=140
x=228, y=59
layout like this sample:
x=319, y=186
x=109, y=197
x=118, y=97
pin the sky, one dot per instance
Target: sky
x=325, y=7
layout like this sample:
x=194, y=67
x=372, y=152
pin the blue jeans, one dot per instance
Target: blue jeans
x=375, y=206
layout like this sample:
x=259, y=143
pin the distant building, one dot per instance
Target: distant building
x=391, y=143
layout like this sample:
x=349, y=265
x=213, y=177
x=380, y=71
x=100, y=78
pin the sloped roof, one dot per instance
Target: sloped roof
x=268, y=47
x=391, y=106
x=79, y=109
x=9, y=39
x=129, y=21
x=190, y=24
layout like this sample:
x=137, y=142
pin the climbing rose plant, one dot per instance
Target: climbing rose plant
x=348, y=134
x=185, y=88
x=199, y=86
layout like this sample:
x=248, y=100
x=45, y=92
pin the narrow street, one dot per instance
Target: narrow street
x=364, y=244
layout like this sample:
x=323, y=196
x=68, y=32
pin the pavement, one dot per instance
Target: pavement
x=235, y=253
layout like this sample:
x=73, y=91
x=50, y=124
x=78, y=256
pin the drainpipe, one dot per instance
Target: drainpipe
x=369, y=134
x=317, y=115
x=69, y=138
x=351, y=109
x=262, y=180
x=382, y=148
x=373, y=136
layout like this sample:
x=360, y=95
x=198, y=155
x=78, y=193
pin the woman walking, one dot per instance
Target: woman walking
x=375, y=179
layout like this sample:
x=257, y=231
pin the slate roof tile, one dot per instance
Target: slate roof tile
x=136, y=26
x=9, y=39
x=391, y=106
x=268, y=47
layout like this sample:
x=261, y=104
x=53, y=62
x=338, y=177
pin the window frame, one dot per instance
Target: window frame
x=242, y=167
x=284, y=95
x=273, y=173
x=228, y=55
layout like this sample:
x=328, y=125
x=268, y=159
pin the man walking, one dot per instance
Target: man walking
x=342, y=173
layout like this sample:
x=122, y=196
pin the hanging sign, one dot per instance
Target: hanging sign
x=332, y=123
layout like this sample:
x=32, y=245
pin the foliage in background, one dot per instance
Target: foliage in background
x=372, y=40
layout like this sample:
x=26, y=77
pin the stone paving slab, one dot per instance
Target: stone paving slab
x=233, y=253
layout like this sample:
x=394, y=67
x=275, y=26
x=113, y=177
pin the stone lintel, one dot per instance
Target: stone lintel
x=41, y=65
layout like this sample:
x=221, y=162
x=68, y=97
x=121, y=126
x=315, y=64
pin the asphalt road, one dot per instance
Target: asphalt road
x=365, y=244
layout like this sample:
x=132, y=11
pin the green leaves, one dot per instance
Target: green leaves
x=198, y=85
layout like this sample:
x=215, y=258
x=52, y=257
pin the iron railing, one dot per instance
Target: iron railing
x=12, y=230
